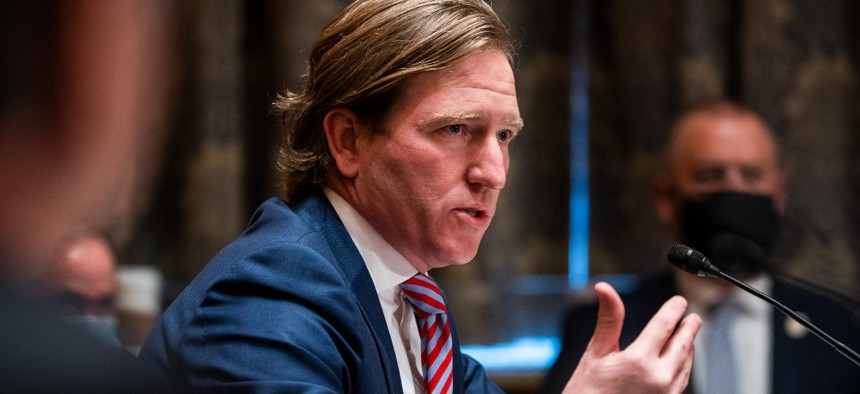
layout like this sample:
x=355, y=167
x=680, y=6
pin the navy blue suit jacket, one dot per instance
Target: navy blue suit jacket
x=799, y=365
x=289, y=306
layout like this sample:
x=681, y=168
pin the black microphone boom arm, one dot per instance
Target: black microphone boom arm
x=693, y=261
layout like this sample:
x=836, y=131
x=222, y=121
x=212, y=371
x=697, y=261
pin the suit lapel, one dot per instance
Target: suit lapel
x=458, y=357
x=356, y=273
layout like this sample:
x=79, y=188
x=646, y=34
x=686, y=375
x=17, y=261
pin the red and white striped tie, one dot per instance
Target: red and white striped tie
x=436, y=344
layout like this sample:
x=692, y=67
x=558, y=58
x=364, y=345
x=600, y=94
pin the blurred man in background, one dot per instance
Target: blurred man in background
x=82, y=88
x=82, y=281
x=723, y=193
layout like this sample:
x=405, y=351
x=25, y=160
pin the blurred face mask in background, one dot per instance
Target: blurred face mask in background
x=102, y=327
x=735, y=230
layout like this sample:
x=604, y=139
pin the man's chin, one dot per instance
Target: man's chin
x=456, y=258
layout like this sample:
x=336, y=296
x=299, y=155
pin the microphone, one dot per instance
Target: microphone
x=690, y=260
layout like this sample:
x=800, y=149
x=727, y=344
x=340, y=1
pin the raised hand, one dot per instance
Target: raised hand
x=658, y=361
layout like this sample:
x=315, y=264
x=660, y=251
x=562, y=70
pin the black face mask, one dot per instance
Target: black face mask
x=735, y=230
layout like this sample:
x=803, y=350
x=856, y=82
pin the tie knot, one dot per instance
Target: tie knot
x=424, y=295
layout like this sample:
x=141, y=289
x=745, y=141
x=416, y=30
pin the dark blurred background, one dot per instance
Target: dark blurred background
x=609, y=75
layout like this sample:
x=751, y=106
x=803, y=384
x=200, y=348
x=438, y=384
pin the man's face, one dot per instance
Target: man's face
x=429, y=184
x=82, y=280
x=713, y=154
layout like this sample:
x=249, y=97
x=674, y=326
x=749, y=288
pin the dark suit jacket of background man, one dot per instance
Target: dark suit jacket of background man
x=288, y=306
x=803, y=365
x=41, y=353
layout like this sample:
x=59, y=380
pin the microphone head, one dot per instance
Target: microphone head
x=690, y=260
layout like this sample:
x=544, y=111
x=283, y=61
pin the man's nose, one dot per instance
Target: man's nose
x=735, y=181
x=490, y=164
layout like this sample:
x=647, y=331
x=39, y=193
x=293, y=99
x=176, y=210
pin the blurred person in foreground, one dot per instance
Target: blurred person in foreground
x=723, y=193
x=82, y=281
x=80, y=84
x=395, y=152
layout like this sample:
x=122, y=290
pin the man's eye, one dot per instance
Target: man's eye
x=709, y=175
x=752, y=174
x=504, y=135
x=454, y=129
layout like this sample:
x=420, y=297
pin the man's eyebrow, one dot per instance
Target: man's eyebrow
x=443, y=119
x=515, y=123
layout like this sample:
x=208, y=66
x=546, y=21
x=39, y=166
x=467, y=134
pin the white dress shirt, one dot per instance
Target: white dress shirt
x=388, y=269
x=751, y=339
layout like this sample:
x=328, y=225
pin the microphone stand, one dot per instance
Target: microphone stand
x=839, y=346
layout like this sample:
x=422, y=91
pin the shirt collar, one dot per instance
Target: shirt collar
x=751, y=304
x=388, y=268
x=702, y=294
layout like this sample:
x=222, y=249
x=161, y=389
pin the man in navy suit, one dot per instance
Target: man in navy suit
x=722, y=191
x=395, y=152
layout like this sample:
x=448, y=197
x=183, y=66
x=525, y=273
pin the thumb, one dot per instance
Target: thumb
x=610, y=318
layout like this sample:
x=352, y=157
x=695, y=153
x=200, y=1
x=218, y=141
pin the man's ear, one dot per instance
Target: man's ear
x=342, y=129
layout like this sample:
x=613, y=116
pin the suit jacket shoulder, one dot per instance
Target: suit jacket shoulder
x=802, y=362
x=277, y=310
x=288, y=306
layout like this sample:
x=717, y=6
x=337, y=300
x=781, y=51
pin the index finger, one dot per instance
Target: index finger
x=661, y=326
